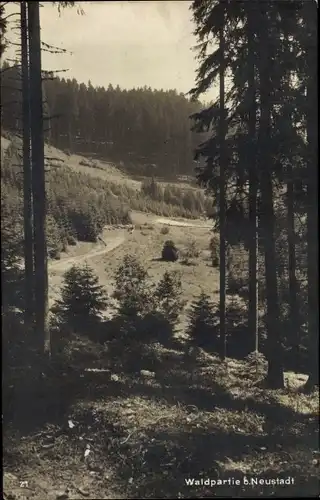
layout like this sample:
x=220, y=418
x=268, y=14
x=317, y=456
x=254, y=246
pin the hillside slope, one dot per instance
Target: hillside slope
x=95, y=167
x=84, y=194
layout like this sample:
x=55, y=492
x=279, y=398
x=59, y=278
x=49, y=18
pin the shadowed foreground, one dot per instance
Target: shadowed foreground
x=117, y=435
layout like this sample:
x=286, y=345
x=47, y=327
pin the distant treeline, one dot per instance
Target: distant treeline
x=148, y=130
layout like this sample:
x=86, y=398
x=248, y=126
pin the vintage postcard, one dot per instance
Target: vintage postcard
x=159, y=249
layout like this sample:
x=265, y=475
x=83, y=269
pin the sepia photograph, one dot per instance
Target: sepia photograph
x=159, y=249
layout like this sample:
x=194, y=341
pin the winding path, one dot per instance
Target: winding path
x=171, y=222
x=64, y=264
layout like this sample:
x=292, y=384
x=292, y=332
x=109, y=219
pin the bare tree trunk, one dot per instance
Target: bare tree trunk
x=38, y=181
x=253, y=184
x=295, y=320
x=311, y=15
x=222, y=208
x=27, y=174
x=275, y=377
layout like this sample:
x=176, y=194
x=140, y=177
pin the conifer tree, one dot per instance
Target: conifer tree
x=132, y=289
x=253, y=179
x=222, y=183
x=244, y=44
x=265, y=162
x=27, y=176
x=202, y=327
x=167, y=297
x=38, y=181
x=82, y=301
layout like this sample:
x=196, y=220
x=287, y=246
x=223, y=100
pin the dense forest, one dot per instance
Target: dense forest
x=147, y=131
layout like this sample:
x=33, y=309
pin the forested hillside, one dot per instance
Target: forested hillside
x=147, y=130
x=79, y=204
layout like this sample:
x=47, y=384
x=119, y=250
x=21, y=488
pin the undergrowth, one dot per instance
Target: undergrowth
x=196, y=419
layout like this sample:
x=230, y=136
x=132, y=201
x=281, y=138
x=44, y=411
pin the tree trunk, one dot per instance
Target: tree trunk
x=38, y=182
x=222, y=201
x=275, y=378
x=253, y=183
x=295, y=322
x=311, y=15
x=27, y=175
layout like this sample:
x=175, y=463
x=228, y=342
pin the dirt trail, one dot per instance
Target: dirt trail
x=140, y=218
x=64, y=264
x=171, y=222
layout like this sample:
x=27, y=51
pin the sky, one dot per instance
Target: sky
x=126, y=43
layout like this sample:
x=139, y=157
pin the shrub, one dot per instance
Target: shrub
x=133, y=356
x=54, y=254
x=71, y=240
x=151, y=188
x=257, y=363
x=164, y=230
x=64, y=245
x=54, y=239
x=202, y=327
x=156, y=327
x=85, y=163
x=82, y=301
x=170, y=252
x=190, y=252
x=214, y=246
x=77, y=352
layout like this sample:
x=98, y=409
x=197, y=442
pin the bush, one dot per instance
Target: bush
x=54, y=254
x=133, y=356
x=257, y=363
x=77, y=352
x=164, y=230
x=85, y=163
x=82, y=301
x=157, y=327
x=169, y=252
x=214, y=248
x=190, y=252
x=71, y=240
